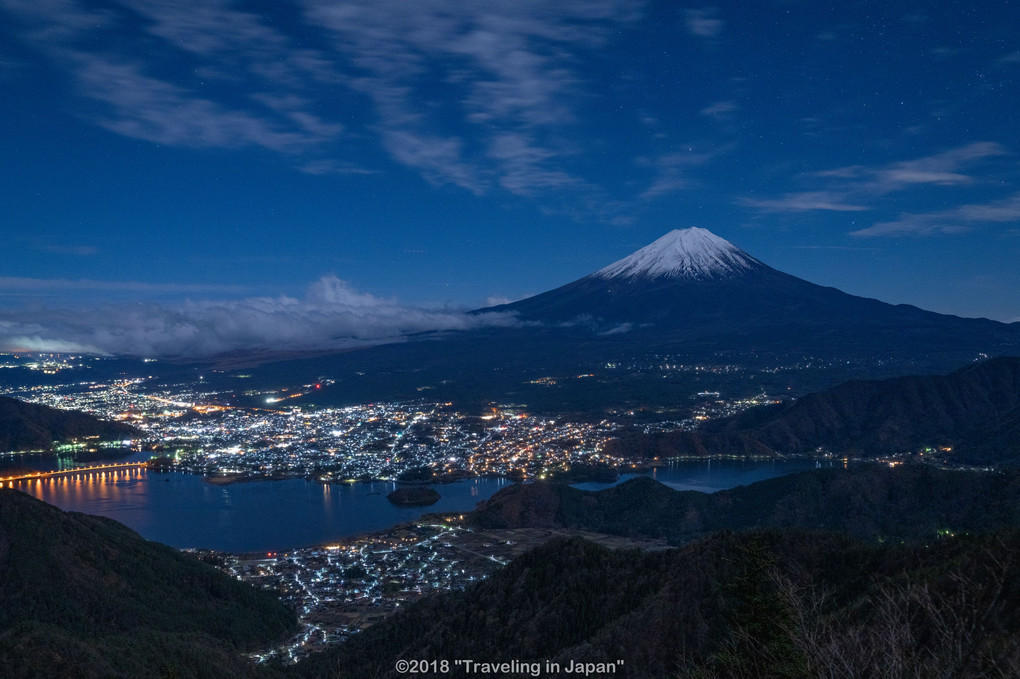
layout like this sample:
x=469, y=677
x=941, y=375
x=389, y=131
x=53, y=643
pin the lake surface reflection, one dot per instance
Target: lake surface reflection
x=185, y=511
x=708, y=476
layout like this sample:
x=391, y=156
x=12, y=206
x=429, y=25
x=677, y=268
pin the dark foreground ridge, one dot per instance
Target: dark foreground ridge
x=762, y=604
x=969, y=416
x=86, y=597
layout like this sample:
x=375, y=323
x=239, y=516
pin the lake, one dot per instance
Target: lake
x=184, y=510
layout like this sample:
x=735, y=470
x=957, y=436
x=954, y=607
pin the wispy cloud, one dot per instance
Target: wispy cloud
x=497, y=300
x=193, y=28
x=75, y=250
x=28, y=285
x=157, y=111
x=672, y=168
x=525, y=165
x=331, y=315
x=150, y=94
x=704, y=23
x=941, y=169
x=805, y=202
x=835, y=247
x=957, y=220
x=327, y=166
x=481, y=96
x=509, y=69
x=719, y=108
x=858, y=188
x=9, y=68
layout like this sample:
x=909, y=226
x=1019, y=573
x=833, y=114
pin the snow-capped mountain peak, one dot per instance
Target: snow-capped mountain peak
x=683, y=253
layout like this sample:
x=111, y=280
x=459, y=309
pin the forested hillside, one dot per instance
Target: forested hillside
x=28, y=426
x=86, y=597
x=868, y=501
x=974, y=412
x=761, y=604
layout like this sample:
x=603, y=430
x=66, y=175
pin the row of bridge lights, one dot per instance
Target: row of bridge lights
x=102, y=470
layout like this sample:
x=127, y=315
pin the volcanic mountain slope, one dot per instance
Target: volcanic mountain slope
x=974, y=411
x=690, y=296
x=693, y=284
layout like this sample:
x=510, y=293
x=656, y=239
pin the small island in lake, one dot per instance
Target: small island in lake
x=416, y=496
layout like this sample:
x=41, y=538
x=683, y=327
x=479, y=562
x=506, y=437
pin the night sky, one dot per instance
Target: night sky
x=182, y=177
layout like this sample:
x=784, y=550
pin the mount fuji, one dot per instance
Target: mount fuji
x=691, y=285
x=691, y=299
x=689, y=254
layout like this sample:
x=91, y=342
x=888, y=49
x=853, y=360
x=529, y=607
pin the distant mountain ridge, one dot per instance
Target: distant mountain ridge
x=975, y=411
x=866, y=501
x=29, y=426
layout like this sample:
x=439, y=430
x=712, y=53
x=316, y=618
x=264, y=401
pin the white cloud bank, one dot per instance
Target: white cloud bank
x=332, y=315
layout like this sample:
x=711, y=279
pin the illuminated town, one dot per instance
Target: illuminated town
x=339, y=589
x=201, y=432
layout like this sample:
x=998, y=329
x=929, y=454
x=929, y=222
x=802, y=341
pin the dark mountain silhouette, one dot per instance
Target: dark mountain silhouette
x=27, y=426
x=84, y=596
x=867, y=501
x=974, y=411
